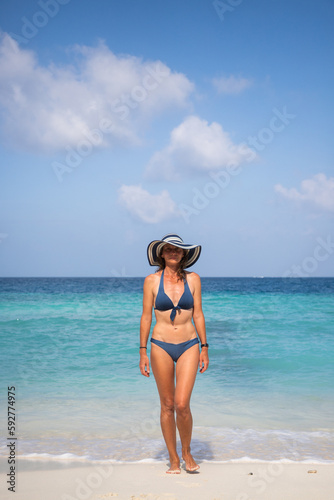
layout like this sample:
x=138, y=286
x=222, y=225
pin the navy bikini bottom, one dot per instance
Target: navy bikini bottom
x=175, y=350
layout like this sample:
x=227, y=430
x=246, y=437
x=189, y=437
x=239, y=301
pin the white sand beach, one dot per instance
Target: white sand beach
x=215, y=481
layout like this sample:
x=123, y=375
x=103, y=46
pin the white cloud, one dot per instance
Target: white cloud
x=231, y=84
x=149, y=208
x=49, y=108
x=196, y=146
x=318, y=190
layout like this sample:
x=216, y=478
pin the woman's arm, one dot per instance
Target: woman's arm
x=199, y=322
x=145, y=326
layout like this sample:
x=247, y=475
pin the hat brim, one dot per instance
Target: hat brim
x=154, y=249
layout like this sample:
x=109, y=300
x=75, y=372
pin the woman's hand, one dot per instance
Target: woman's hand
x=203, y=360
x=144, y=365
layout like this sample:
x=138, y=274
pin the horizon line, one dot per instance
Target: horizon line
x=142, y=277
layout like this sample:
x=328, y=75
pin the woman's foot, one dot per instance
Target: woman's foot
x=190, y=464
x=174, y=467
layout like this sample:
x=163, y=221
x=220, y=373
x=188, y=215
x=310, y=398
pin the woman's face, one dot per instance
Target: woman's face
x=172, y=253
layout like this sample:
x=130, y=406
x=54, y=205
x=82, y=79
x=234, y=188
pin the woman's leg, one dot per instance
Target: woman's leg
x=163, y=370
x=186, y=370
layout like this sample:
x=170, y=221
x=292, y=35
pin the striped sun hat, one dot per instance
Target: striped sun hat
x=154, y=249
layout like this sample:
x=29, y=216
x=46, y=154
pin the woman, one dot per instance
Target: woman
x=174, y=342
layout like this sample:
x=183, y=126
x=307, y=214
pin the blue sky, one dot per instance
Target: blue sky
x=122, y=121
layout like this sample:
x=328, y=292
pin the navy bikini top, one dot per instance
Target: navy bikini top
x=164, y=303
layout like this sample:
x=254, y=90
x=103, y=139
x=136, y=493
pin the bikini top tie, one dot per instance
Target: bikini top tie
x=164, y=303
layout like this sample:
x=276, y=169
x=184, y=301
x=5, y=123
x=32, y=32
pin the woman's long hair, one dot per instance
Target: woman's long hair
x=180, y=272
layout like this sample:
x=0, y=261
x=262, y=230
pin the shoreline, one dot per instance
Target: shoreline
x=212, y=445
x=70, y=480
x=31, y=462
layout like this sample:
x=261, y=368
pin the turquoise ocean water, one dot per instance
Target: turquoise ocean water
x=70, y=347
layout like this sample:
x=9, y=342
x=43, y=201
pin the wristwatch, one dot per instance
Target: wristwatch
x=204, y=345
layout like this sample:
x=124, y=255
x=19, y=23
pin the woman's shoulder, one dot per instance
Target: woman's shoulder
x=190, y=275
x=152, y=278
